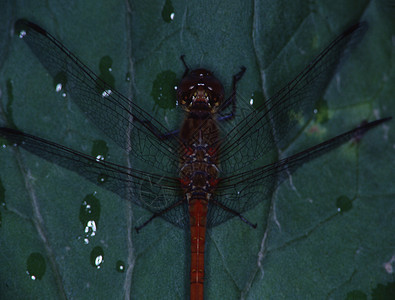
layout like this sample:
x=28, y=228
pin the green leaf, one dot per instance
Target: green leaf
x=303, y=246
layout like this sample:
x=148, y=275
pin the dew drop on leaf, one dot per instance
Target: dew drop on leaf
x=343, y=203
x=97, y=257
x=35, y=266
x=120, y=266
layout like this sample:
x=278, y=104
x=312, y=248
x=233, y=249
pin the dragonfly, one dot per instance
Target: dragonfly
x=204, y=173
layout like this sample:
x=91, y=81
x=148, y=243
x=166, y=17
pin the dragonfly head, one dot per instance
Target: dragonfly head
x=200, y=90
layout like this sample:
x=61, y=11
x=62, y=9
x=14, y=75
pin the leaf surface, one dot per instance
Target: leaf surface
x=303, y=246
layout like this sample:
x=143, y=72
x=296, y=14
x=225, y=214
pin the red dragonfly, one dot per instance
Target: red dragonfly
x=206, y=174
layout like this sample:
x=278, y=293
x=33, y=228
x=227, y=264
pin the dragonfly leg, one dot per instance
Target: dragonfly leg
x=232, y=211
x=158, y=214
x=232, y=99
x=182, y=57
x=170, y=134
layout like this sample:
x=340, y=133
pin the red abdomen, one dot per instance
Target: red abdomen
x=198, y=176
x=197, y=216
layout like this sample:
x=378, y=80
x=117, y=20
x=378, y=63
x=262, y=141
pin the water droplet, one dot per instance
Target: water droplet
x=106, y=93
x=99, y=150
x=106, y=81
x=321, y=111
x=102, y=178
x=90, y=228
x=21, y=30
x=163, y=91
x=35, y=266
x=120, y=266
x=58, y=87
x=99, y=157
x=60, y=83
x=89, y=216
x=22, y=33
x=97, y=257
x=105, y=64
x=4, y=143
x=257, y=99
x=343, y=204
x=168, y=12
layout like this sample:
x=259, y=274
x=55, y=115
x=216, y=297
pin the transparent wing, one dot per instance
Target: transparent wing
x=151, y=191
x=118, y=117
x=242, y=191
x=282, y=116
